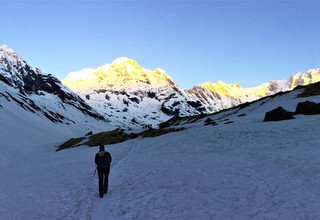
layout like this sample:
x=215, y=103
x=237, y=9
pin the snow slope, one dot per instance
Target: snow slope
x=29, y=118
x=247, y=169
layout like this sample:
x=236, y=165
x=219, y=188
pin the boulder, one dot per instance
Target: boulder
x=165, y=124
x=89, y=133
x=308, y=108
x=278, y=114
x=209, y=121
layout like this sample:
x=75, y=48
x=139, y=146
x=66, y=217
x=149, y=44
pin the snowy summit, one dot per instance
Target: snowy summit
x=122, y=73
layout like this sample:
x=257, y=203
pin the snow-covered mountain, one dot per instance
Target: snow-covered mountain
x=40, y=100
x=137, y=95
x=121, y=94
x=131, y=94
x=218, y=96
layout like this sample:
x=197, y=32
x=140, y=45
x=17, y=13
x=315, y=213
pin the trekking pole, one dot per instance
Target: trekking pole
x=94, y=172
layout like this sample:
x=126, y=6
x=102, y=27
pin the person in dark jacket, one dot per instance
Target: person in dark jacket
x=103, y=159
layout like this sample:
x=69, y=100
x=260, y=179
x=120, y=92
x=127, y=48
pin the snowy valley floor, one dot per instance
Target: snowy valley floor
x=245, y=170
x=230, y=171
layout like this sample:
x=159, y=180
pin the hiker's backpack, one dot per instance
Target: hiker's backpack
x=104, y=160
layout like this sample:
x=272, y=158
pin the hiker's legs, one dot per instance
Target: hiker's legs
x=106, y=180
x=100, y=175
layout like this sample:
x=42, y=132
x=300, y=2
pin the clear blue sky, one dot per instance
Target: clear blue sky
x=237, y=42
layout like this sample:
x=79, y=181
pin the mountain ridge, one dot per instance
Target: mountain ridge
x=202, y=98
x=130, y=96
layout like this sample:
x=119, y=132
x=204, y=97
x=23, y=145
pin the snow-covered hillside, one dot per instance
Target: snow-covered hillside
x=133, y=95
x=242, y=168
x=31, y=101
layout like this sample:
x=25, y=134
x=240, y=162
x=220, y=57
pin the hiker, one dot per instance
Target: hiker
x=103, y=160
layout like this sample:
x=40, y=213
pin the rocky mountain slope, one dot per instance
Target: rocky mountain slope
x=40, y=99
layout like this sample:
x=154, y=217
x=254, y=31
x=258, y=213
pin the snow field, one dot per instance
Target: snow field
x=245, y=170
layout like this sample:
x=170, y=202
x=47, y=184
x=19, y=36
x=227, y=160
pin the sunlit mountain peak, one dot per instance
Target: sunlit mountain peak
x=126, y=64
x=304, y=78
x=124, y=60
x=83, y=74
x=122, y=73
x=223, y=89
